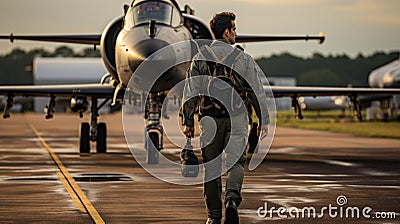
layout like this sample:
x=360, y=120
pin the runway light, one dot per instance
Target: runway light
x=338, y=101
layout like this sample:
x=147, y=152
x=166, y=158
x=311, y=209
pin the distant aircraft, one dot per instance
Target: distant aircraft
x=146, y=27
x=386, y=76
x=324, y=103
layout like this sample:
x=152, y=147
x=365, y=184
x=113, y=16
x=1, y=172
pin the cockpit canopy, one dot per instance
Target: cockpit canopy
x=160, y=11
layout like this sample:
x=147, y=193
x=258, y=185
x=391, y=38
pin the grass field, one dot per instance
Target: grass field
x=331, y=121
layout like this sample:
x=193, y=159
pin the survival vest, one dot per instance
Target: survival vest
x=226, y=86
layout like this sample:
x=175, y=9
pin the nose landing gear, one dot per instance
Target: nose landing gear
x=154, y=130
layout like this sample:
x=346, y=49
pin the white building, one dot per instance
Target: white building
x=56, y=71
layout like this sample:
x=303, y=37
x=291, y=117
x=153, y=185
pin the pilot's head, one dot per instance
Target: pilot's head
x=223, y=26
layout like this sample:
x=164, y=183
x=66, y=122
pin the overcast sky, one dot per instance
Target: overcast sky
x=351, y=26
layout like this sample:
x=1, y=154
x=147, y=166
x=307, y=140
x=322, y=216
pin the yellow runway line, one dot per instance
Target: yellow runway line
x=83, y=200
x=71, y=192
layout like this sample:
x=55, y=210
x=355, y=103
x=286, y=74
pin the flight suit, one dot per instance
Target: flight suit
x=220, y=133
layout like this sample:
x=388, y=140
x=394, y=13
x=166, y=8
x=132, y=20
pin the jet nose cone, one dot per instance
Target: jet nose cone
x=144, y=49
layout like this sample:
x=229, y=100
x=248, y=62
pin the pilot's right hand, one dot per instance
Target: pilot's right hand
x=189, y=131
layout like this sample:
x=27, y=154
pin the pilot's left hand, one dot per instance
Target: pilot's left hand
x=262, y=131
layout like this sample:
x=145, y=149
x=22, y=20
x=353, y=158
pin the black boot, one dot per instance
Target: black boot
x=231, y=212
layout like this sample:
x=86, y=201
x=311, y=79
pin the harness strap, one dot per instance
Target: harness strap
x=228, y=59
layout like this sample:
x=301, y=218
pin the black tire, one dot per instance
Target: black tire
x=101, y=141
x=84, y=138
x=152, y=148
x=253, y=139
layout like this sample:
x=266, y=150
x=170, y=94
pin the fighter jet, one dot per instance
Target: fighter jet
x=147, y=26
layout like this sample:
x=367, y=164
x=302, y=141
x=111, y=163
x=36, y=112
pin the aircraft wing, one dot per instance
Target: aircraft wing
x=352, y=93
x=295, y=91
x=260, y=38
x=92, y=39
x=89, y=90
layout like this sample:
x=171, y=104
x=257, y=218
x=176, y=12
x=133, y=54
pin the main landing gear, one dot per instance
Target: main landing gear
x=356, y=105
x=95, y=132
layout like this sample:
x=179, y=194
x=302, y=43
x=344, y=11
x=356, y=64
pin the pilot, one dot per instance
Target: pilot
x=232, y=140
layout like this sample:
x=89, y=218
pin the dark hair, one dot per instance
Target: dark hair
x=220, y=22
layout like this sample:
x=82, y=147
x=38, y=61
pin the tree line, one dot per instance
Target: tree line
x=318, y=70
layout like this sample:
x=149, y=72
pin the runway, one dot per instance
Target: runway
x=43, y=178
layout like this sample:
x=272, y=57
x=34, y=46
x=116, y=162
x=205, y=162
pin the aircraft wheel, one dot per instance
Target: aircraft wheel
x=84, y=138
x=253, y=139
x=152, y=148
x=101, y=143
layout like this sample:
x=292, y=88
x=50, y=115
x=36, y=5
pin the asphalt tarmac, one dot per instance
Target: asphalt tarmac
x=307, y=177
